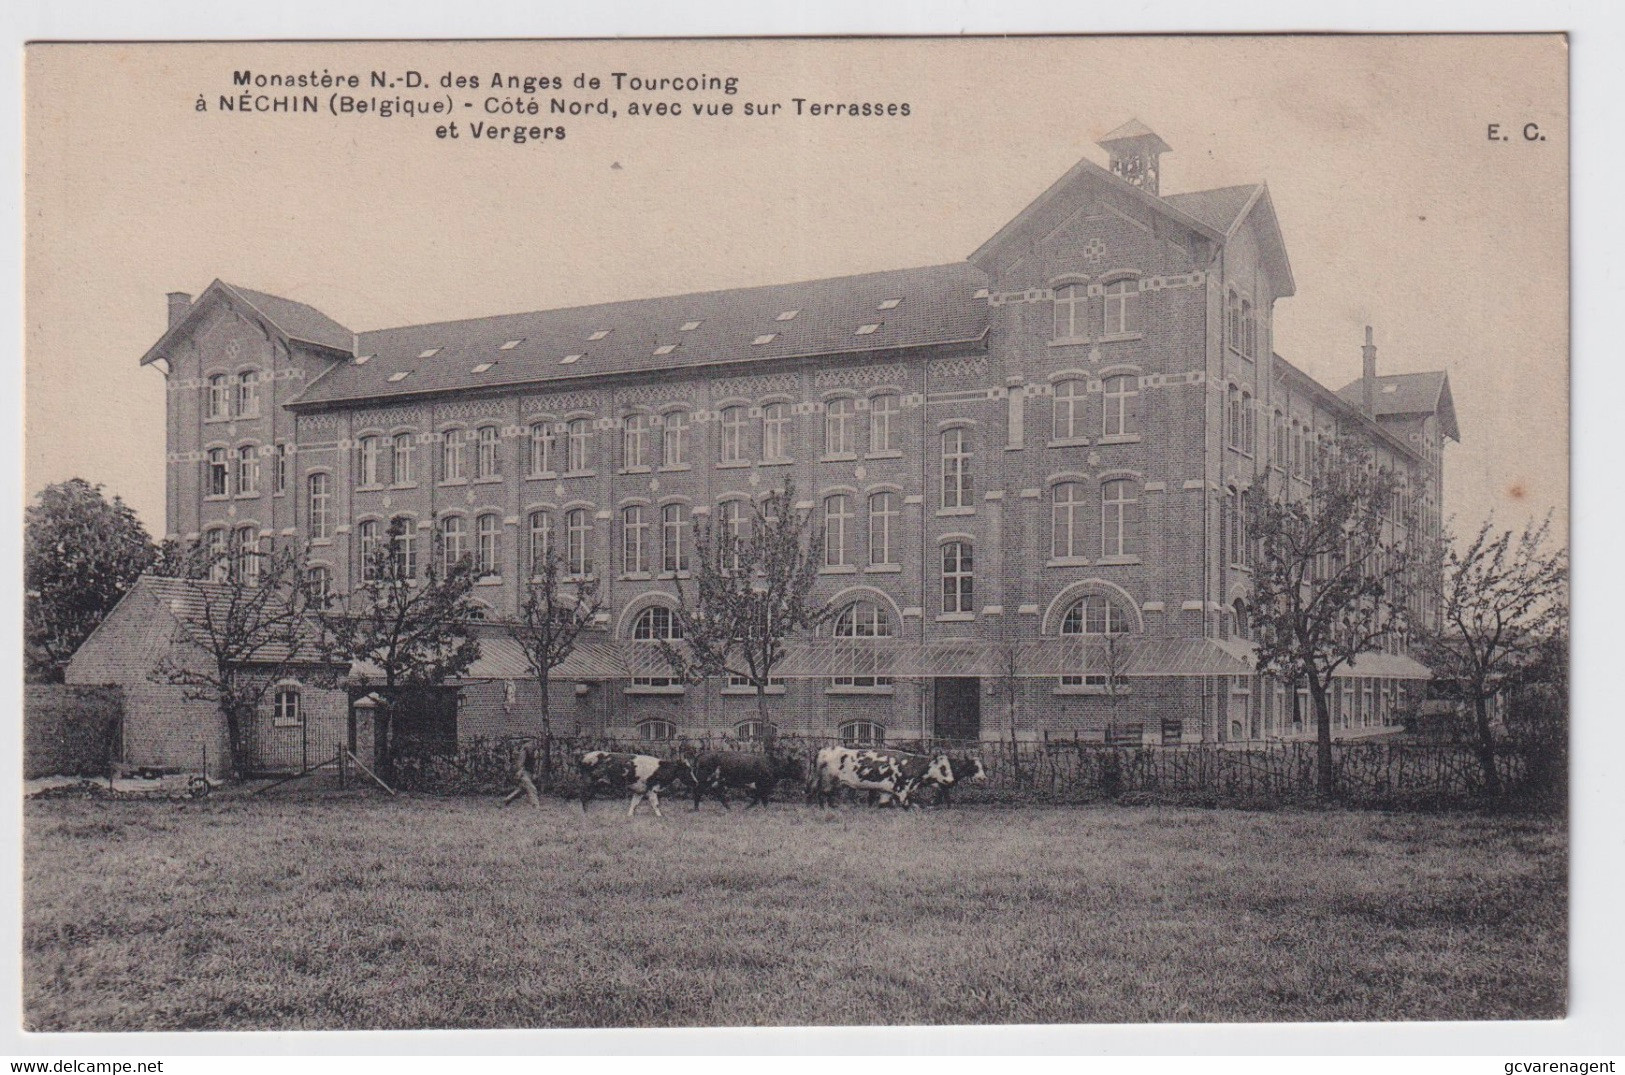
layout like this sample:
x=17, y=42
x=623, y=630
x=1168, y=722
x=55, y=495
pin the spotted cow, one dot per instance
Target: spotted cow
x=755, y=774
x=641, y=775
x=892, y=774
x=962, y=769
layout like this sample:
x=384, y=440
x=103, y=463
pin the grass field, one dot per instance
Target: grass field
x=366, y=912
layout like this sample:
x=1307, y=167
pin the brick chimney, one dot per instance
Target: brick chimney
x=1368, y=374
x=179, y=303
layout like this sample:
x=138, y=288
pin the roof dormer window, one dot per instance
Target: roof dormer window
x=688, y=326
x=788, y=315
x=482, y=367
x=362, y=360
x=569, y=359
x=430, y=353
x=767, y=337
x=399, y=376
x=600, y=334
x=865, y=330
x=665, y=349
x=889, y=304
x=511, y=344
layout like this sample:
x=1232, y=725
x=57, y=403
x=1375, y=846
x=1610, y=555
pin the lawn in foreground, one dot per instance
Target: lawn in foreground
x=368, y=912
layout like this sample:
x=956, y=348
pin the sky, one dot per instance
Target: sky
x=1398, y=208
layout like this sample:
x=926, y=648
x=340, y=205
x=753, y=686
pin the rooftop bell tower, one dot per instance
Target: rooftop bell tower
x=1135, y=150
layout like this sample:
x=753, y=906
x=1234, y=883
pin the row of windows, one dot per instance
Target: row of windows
x=227, y=471
x=853, y=733
x=1240, y=325
x=228, y=396
x=1117, y=315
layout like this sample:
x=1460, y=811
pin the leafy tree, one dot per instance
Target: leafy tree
x=411, y=622
x=1329, y=581
x=245, y=625
x=81, y=553
x=752, y=591
x=1502, y=623
x=557, y=608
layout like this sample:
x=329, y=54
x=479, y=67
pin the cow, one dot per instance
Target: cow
x=755, y=774
x=642, y=775
x=894, y=775
x=962, y=769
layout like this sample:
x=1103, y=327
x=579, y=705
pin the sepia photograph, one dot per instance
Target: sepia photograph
x=773, y=532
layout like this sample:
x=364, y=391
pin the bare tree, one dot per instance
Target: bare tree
x=558, y=606
x=410, y=623
x=751, y=592
x=1503, y=599
x=1329, y=581
x=245, y=625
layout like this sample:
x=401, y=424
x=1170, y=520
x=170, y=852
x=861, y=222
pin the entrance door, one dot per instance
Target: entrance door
x=958, y=707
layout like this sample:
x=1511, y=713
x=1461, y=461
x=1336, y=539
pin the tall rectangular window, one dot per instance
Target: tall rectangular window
x=958, y=594
x=488, y=533
x=366, y=539
x=1071, y=312
x=248, y=394
x=1119, y=525
x=217, y=474
x=837, y=521
x=279, y=476
x=673, y=557
x=540, y=528
x=1121, y=300
x=1069, y=401
x=633, y=435
x=733, y=434
x=1066, y=520
x=1120, y=415
x=488, y=464
x=882, y=525
x=247, y=554
x=578, y=540
x=404, y=470
x=775, y=427
x=540, y=461
x=320, y=488
x=674, y=440
x=367, y=462
x=404, y=541
x=248, y=470
x=219, y=401
x=579, y=458
x=882, y=414
x=839, y=436
x=217, y=554
x=453, y=541
x=733, y=532
x=956, y=481
x=634, y=540
x=451, y=456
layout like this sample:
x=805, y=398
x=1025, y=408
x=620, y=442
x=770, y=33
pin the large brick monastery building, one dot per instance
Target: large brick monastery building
x=1053, y=439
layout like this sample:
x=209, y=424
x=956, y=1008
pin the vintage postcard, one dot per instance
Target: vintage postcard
x=783, y=532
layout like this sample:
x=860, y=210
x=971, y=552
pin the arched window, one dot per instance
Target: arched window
x=1120, y=416
x=837, y=524
x=248, y=470
x=286, y=709
x=882, y=412
x=840, y=436
x=1069, y=410
x=404, y=470
x=1232, y=417
x=1248, y=423
x=488, y=464
x=1249, y=330
x=1067, y=506
x=539, y=462
x=578, y=540
x=958, y=578
x=862, y=733
x=451, y=456
x=956, y=480
x=217, y=473
x=673, y=556
x=217, y=554
x=634, y=438
x=246, y=554
x=248, y=394
x=1071, y=312
x=578, y=445
x=1122, y=302
x=733, y=434
x=403, y=540
x=882, y=526
x=775, y=428
x=657, y=731
x=656, y=624
x=634, y=540
x=674, y=440
x=1095, y=614
x=539, y=527
x=1232, y=320
x=367, y=459
x=754, y=731
x=488, y=532
x=366, y=538
x=1119, y=518
x=453, y=540
x=320, y=487
x=219, y=401
x=1243, y=628
x=862, y=619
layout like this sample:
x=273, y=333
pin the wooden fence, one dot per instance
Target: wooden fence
x=1387, y=774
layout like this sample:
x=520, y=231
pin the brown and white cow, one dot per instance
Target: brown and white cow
x=641, y=775
x=962, y=769
x=892, y=774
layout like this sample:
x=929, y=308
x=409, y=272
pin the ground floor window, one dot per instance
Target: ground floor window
x=657, y=731
x=754, y=731
x=862, y=733
x=288, y=713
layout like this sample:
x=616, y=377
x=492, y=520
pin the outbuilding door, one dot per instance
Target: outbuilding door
x=958, y=707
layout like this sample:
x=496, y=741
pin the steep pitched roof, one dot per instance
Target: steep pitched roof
x=1220, y=208
x=189, y=601
x=843, y=315
x=1409, y=393
x=295, y=322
